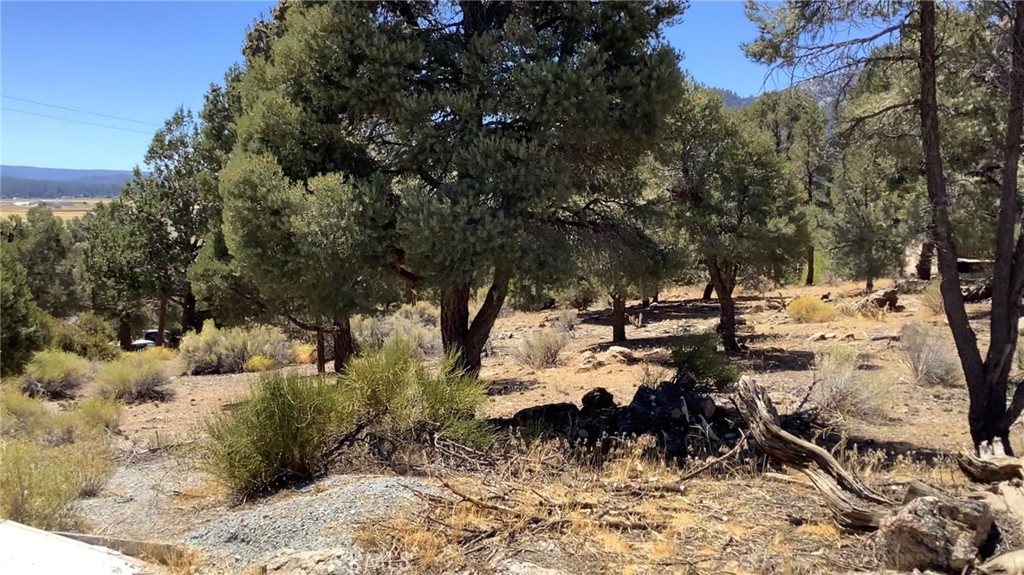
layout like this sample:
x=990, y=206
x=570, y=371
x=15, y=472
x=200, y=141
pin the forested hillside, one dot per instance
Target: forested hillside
x=31, y=182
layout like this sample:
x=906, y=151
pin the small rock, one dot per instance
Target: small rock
x=620, y=354
x=821, y=336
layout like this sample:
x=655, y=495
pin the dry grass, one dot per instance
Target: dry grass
x=134, y=378
x=841, y=389
x=56, y=374
x=541, y=349
x=929, y=356
x=931, y=299
x=810, y=309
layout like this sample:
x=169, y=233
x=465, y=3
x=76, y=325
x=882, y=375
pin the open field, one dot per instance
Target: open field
x=65, y=208
x=741, y=516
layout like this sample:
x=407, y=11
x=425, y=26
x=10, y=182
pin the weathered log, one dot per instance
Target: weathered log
x=854, y=504
x=1011, y=563
x=990, y=469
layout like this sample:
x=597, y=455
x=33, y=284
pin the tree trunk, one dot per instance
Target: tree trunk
x=321, y=353
x=124, y=331
x=189, y=318
x=656, y=298
x=645, y=302
x=708, y=290
x=924, y=261
x=461, y=337
x=161, y=322
x=618, y=319
x=870, y=284
x=810, y=265
x=344, y=344
x=723, y=278
x=985, y=411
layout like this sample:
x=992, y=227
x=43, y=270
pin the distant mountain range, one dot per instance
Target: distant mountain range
x=30, y=182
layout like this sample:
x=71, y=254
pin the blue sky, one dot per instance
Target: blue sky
x=138, y=61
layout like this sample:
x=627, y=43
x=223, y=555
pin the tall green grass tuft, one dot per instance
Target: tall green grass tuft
x=55, y=374
x=712, y=370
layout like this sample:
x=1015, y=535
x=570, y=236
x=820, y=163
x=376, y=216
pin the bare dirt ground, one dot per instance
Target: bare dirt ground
x=733, y=519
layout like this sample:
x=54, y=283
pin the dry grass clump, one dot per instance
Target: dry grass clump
x=226, y=350
x=414, y=323
x=840, y=388
x=258, y=363
x=134, y=378
x=929, y=356
x=541, y=349
x=931, y=299
x=55, y=374
x=565, y=320
x=100, y=413
x=305, y=353
x=158, y=353
x=810, y=309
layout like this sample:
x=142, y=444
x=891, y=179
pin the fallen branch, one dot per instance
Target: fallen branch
x=991, y=469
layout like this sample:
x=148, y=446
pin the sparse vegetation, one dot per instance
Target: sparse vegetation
x=541, y=349
x=100, y=413
x=565, y=320
x=38, y=487
x=712, y=370
x=840, y=387
x=929, y=356
x=305, y=353
x=55, y=374
x=414, y=323
x=810, y=309
x=931, y=299
x=134, y=378
x=226, y=350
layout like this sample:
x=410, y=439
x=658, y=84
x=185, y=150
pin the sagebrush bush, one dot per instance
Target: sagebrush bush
x=712, y=370
x=100, y=413
x=810, y=309
x=286, y=431
x=414, y=323
x=258, y=363
x=38, y=487
x=134, y=378
x=215, y=350
x=839, y=387
x=541, y=349
x=158, y=353
x=26, y=417
x=90, y=336
x=305, y=353
x=565, y=320
x=55, y=374
x=931, y=299
x=929, y=356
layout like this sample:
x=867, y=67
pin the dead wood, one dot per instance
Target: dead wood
x=991, y=469
x=853, y=503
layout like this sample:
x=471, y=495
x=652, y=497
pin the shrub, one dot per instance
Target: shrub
x=810, y=309
x=55, y=374
x=565, y=320
x=931, y=299
x=21, y=415
x=540, y=349
x=38, y=487
x=282, y=434
x=259, y=363
x=712, y=370
x=134, y=378
x=305, y=353
x=226, y=350
x=579, y=295
x=422, y=313
x=92, y=465
x=158, y=353
x=929, y=356
x=99, y=413
x=839, y=388
x=415, y=324
x=89, y=336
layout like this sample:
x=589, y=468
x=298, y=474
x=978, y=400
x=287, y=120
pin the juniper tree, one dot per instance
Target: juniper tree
x=482, y=125
x=23, y=323
x=44, y=248
x=733, y=199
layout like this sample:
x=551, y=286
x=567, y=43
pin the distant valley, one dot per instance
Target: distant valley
x=31, y=182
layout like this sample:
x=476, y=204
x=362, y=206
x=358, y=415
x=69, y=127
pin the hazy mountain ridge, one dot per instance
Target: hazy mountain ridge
x=33, y=182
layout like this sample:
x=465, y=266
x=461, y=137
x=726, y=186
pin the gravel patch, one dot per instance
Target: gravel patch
x=321, y=516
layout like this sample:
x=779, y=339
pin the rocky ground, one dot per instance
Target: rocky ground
x=734, y=519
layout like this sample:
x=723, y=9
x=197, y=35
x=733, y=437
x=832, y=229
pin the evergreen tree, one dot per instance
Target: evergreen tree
x=44, y=248
x=22, y=323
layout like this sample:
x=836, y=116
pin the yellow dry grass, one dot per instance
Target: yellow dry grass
x=64, y=209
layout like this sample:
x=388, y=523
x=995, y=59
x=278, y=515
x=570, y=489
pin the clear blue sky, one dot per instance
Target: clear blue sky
x=140, y=60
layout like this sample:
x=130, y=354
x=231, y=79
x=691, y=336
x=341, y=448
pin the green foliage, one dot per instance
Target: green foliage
x=540, y=349
x=810, y=309
x=56, y=374
x=99, y=413
x=929, y=356
x=24, y=324
x=416, y=324
x=89, y=336
x=712, y=370
x=134, y=378
x=578, y=294
x=38, y=487
x=44, y=247
x=839, y=387
x=258, y=363
x=226, y=350
x=281, y=435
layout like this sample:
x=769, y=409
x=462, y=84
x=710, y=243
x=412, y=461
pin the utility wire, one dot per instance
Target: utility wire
x=77, y=121
x=80, y=111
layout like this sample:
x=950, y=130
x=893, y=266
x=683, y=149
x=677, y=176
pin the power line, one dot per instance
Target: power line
x=80, y=111
x=76, y=121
